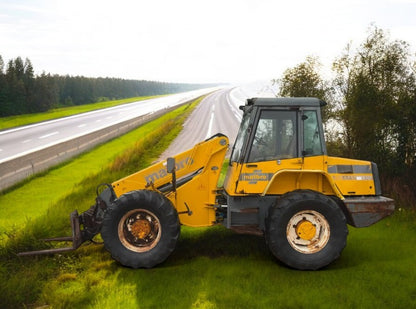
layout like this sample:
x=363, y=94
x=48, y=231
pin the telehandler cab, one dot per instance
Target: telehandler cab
x=280, y=183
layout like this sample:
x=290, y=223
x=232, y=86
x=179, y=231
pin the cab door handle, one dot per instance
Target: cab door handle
x=251, y=165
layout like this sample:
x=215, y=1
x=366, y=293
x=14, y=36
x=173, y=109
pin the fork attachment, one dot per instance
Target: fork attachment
x=76, y=239
x=91, y=221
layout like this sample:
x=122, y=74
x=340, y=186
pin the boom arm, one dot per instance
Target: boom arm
x=197, y=171
x=193, y=194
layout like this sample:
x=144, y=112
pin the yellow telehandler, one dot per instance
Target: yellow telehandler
x=280, y=183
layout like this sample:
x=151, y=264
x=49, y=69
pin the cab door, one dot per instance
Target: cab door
x=282, y=139
x=273, y=146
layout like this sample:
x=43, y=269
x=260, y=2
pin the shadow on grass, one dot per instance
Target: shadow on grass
x=219, y=242
x=215, y=242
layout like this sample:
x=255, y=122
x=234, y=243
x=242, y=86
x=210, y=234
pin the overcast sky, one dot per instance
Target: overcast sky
x=191, y=40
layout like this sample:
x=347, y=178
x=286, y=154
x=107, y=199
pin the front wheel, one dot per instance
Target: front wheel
x=306, y=230
x=141, y=229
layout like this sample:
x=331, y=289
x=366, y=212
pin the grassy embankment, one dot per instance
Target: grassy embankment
x=211, y=267
x=20, y=120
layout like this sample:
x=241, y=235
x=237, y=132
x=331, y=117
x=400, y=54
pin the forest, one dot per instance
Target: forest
x=372, y=102
x=21, y=92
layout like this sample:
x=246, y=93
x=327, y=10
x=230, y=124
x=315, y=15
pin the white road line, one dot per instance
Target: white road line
x=50, y=134
x=26, y=141
x=211, y=120
x=82, y=125
x=1, y=149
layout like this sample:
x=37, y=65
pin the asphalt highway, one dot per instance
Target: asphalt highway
x=217, y=113
x=28, y=139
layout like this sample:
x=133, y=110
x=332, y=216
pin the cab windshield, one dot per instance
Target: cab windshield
x=241, y=137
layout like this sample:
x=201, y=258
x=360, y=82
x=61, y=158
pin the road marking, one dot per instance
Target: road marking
x=82, y=125
x=26, y=141
x=109, y=117
x=211, y=120
x=48, y=135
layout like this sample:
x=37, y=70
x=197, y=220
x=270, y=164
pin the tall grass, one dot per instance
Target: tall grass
x=210, y=268
x=67, y=187
x=32, y=198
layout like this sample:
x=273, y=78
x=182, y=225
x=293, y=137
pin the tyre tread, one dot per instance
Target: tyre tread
x=160, y=206
x=288, y=255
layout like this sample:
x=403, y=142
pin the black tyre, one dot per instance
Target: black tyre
x=306, y=230
x=141, y=229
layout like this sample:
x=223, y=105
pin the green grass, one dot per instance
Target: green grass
x=32, y=199
x=214, y=268
x=39, y=208
x=20, y=120
x=210, y=268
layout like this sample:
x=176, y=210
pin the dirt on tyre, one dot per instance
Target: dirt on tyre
x=141, y=229
x=306, y=230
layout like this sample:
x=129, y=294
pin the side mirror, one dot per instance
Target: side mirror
x=171, y=169
x=170, y=165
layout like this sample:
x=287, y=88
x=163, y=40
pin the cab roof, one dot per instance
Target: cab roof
x=286, y=102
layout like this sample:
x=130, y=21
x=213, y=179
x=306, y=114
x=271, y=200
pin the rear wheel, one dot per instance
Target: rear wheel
x=141, y=229
x=306, y=230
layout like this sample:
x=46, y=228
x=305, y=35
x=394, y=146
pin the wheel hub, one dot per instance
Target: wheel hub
x=305, y=230
x=141, y=228
x=308, y=231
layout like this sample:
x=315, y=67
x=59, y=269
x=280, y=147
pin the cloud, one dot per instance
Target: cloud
x=186, y=40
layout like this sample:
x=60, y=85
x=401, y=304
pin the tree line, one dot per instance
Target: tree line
x=21, y=92
x=372, y=97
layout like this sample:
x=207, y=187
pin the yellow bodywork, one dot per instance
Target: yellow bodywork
x=195, y=199
x=313, y=173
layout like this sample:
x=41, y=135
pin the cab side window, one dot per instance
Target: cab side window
x=312, y=144
x=275, y=136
